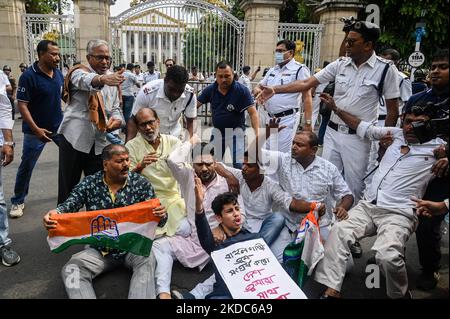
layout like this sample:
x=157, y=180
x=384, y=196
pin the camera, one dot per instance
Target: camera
x=436, y=127
x=348, y=23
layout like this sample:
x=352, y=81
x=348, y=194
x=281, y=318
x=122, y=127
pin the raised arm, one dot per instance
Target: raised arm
x=204, y=233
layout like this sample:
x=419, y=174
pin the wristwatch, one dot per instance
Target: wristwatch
x=308, y=122
x=13, y=144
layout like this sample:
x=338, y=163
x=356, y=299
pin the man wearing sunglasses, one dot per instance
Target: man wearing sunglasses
x=83, y=135
x=357, y=91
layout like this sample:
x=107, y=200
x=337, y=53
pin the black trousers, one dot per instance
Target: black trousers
x=428, y=233
x=71, y=164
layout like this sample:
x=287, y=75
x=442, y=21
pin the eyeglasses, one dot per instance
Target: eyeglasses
x=350, y=42
x=145, y=124
x=100, y=58
x=169, y=65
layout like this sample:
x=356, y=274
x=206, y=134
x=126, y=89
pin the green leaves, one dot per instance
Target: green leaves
x=44, y=6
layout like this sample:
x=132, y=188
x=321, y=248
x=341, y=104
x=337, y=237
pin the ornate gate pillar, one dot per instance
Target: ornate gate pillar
x=12, y=44
x=91, y=22
x=329, y=13
x=262, y=17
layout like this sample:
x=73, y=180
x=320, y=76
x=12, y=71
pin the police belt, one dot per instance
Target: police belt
x=284, y=113
x=341, y=128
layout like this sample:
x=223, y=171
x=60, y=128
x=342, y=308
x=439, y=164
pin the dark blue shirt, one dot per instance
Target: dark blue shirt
x=418, y=87
x=227, y=110
x=425, y=97
x=43, y=95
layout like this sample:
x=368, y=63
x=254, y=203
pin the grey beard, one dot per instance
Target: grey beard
x=151, y=139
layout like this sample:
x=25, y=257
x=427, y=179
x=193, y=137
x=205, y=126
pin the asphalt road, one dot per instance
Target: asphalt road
x=38, y=273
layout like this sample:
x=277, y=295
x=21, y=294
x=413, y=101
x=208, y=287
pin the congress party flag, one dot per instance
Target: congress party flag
x=131, y=228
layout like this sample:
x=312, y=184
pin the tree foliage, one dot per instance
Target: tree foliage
x=212, y=41
x=296, y=11
x=45, y=6
x=398, y=20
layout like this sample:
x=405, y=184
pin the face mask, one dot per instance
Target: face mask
x=279, y=57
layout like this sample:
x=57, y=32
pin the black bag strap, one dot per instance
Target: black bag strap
x=298, y=71
x=189, y=102
x=381, y=84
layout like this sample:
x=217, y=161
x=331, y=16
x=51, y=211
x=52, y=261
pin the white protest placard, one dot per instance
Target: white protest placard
x=251, y=271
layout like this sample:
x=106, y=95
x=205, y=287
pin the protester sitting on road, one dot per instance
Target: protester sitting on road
x=386, y=209
x=227, y=212
x=113, y=187
x=204, y=167
x=304, y=175
x=148, y=153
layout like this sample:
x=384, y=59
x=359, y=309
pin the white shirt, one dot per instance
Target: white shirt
x=152, y=96
x=129, y=84
x=356, y=88
x=399, y=176
x=198, y=77
x=320, y=182
x=280, y=76
x=259, y=203
x=148, y=77
x=6, y=121
x=76, y=127
x=181, y=157
x=244, y=79
x=405, y=94
x=4, y=81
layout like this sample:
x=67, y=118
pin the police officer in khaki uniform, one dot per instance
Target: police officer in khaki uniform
x=286, y=106
x=357, y=79
x=170, y=98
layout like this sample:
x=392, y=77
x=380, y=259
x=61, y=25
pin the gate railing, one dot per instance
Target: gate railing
x=193, y=32
x=307, y=35
x=58, y=28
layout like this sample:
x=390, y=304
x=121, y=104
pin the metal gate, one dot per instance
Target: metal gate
x=58, y=28
x=307, y=38
x=192, y=32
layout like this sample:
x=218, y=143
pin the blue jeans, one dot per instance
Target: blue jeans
x=32, y=149
x=236, y=144
x=4, y=229
x=114, y=139
x=271, y=227
x=127, y=106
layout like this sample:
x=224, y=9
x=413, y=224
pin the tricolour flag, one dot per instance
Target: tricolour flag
x=131, y=228
x=302, y=255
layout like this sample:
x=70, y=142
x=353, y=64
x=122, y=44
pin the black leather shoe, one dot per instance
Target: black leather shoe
x=428, y=280
x=324, y=296
x=371, y=260
x=356, y=250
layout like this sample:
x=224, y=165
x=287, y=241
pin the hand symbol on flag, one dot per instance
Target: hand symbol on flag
x=103, y=226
